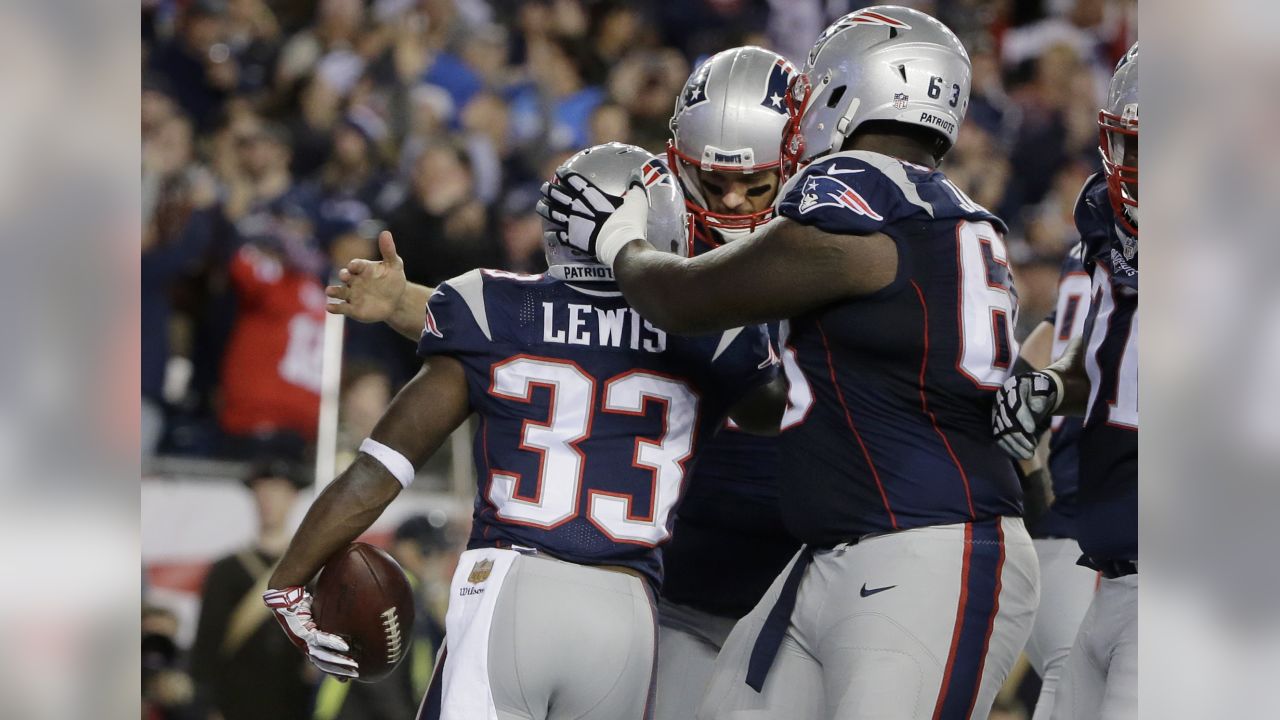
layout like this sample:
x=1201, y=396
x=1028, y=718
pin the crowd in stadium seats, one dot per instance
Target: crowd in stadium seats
x=279, y=136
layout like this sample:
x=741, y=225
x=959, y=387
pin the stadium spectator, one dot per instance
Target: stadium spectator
x=243, y=666
x=197, y=63
x=271, y=371
x=178, y=197
x=167, y=690
x=441, y=230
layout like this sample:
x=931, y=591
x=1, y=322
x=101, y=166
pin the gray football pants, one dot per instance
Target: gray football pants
x=1101, y=679
x=688, y=642
x=566, y=642
x=918, y=624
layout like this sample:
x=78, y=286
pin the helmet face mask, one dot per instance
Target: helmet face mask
x=727, y=121
x=707, y=183
x=1118, y=141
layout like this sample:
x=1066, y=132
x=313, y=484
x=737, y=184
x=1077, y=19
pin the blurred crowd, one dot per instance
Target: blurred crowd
x=280, y=136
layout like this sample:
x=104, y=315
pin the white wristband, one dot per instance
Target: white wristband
x=627, y=223
x=395, y=463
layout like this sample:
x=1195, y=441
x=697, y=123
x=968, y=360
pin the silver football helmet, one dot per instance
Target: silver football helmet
x=1118, y=141
x=879, y=63
x=729, y=117
x=613, y=168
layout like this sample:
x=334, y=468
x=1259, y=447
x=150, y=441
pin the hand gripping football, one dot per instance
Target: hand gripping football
x=364, y=597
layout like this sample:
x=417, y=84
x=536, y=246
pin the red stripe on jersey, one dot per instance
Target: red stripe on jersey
x=893, y=520
x=924, y=403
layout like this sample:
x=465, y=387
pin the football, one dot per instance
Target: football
x=364, y=597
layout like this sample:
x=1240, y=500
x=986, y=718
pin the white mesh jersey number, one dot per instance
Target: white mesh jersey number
x=614, y=513
x=987, y=307
x=1072, y=310
x=568, y=423
x=1123, y=408
x=1069, y=319
x=799, y=394
x=559, y=485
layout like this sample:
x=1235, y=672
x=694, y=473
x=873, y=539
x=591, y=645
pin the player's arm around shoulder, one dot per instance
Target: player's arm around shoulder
x=827, y=244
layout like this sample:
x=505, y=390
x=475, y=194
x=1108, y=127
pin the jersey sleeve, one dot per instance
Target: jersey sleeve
x=456, y=322
x=842, y=194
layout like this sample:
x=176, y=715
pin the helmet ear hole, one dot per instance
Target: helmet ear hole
x=836, y=94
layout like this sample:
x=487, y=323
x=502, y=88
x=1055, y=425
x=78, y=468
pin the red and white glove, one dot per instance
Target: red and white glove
x=292, y=607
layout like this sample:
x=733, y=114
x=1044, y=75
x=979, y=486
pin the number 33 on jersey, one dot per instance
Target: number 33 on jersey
x=590, y=416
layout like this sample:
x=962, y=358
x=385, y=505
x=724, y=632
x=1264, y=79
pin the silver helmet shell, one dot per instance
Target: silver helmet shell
x=729, y=117
x=613, y=168
x=1118, y=141
x=879, y=63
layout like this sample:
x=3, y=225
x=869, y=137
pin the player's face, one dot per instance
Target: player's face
x=737, y=193
x=1130, y=154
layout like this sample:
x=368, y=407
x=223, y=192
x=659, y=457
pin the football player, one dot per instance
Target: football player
x=1098, y=379
x=1065, y=587
x=588, y=418
x=728, y=542
x=915, y=591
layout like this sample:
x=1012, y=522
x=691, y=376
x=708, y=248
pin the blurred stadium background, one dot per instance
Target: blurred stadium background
x=279, y=137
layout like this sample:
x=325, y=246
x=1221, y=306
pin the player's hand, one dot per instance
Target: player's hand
x=370, y=289
x=576, y=211
x=1023, y=409
x=292, y=608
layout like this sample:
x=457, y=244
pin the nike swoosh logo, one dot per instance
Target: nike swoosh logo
x=868, y=593
x=844, y=171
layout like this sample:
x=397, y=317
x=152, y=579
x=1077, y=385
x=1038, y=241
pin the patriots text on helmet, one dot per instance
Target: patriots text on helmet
x=941, y=122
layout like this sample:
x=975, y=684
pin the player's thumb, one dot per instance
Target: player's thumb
x=387, y=246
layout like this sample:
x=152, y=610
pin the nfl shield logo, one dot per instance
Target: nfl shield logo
x=900, y=100
x=480, y=571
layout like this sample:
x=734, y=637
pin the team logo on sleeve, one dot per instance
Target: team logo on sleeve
x=825, y=191
x=431, y=327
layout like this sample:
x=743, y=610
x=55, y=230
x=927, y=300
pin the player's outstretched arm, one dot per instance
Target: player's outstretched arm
x=784, y=271
x=377, y=291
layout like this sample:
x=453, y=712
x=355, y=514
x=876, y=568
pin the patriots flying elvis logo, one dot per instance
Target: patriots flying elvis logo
x=654, y=172
x=826, y=191
x=857, y=17
x=775, y=92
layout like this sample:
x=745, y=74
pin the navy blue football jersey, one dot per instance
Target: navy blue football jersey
x=589, y=416
x=1068, y=319
x=1107, y=523
x=898, y=431
x=729, y=542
